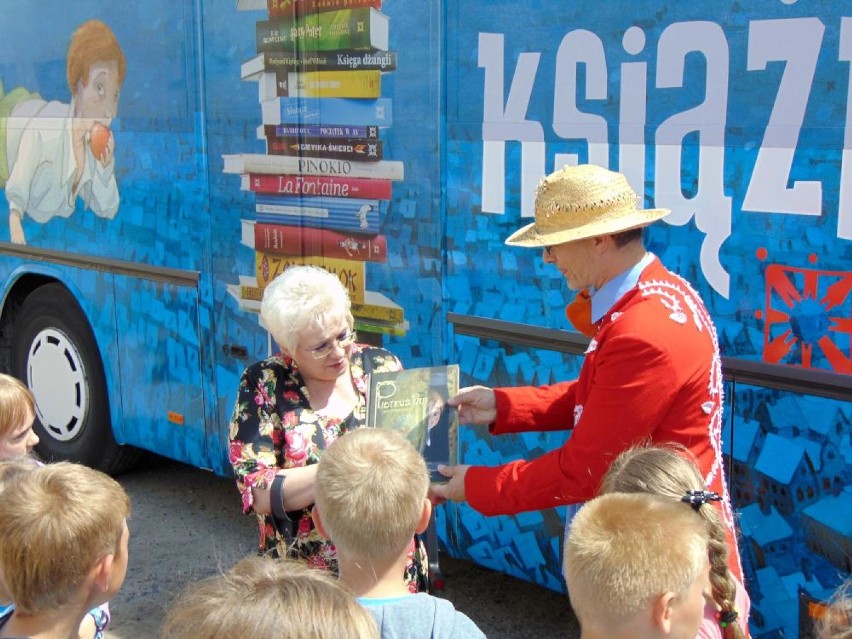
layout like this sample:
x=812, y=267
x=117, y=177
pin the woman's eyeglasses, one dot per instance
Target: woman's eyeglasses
x=343, y=340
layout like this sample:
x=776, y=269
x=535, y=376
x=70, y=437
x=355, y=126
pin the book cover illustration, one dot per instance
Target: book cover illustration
x=413, y=402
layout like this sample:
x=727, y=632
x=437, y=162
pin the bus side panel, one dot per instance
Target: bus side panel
x=159, y=360
x=712, y=114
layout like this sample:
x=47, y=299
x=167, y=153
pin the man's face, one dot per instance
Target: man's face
x=577, y=261
x=98, y=99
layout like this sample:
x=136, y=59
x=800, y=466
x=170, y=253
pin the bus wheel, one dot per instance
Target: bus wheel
x=56, y=355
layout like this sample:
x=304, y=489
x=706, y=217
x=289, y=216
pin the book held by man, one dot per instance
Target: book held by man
x=413, y=402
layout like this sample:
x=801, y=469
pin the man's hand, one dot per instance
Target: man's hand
x=476, y=404
x=453, y=489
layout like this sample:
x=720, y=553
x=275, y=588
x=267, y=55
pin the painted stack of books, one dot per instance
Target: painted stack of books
x=323, y=185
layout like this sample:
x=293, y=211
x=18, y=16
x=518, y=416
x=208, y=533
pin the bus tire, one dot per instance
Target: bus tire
x=56, y=355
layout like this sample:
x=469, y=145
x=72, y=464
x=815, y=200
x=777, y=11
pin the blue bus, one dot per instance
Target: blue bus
x=136, y=254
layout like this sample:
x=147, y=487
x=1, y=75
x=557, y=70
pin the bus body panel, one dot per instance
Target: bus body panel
x=707, y=110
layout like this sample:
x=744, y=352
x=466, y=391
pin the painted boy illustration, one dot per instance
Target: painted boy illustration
x=55, y=152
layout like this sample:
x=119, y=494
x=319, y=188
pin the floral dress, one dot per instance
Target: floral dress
x=273, y=427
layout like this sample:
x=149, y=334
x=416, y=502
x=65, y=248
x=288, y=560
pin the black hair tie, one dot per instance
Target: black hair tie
x=727, y=617
x=696, y=498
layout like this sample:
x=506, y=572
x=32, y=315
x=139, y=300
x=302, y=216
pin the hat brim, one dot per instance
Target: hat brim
x=529, y=237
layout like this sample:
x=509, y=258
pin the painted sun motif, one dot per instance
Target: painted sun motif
x=807, y=317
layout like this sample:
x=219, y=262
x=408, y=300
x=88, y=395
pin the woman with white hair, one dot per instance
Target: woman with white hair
x=292, y=405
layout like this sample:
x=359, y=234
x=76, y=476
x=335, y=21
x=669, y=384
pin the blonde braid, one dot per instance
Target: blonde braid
x=724, y=588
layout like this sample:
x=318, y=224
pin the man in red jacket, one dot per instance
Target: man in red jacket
x=651, y=374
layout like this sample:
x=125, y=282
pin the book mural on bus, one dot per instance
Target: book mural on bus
x=320, y=84
x=348, y=59
x=261, y=163
x=305, y=240
x=358, y=149
x=327, y=185
x=347, y=111
x=376, y=308
x=413, y=402
x=293, y=8
x=268, y=266
x=360, y=28
x=322, y=186
x=317, y=131
x=348, y=215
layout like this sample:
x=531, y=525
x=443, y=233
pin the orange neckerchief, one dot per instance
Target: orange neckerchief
x=579, y=313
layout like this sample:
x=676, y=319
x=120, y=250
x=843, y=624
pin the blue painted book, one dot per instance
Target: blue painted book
x=344, y=111
x=345, y=214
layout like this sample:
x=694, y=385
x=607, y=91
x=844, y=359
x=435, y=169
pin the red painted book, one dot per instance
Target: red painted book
x=306, y=241
x=322, y=185
x=292, y=8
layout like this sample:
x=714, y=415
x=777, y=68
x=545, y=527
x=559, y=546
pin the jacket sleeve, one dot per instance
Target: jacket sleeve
x=627, y=398
x=534, y=408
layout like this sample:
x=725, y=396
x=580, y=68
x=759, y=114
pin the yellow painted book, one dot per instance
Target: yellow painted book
x=351, y=273
x=381, y=328
x=320, y=84
x=378, y=307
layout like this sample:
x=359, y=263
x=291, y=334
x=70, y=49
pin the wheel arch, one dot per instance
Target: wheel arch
x=18, y=287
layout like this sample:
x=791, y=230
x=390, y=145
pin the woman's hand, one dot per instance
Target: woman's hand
x=476, y=404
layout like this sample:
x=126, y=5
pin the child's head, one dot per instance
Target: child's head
x=636, y=565
x=669, y=472
x=17, y=412
x=371, y=493
x=9, y=471
x=836, y=622
x=263, y=597
x=63, y=537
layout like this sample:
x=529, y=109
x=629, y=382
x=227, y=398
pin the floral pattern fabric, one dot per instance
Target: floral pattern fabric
x=273, y=427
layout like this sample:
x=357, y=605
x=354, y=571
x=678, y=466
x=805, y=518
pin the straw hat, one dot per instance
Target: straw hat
x=576, y=202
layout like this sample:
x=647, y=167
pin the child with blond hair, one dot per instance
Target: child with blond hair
x=265, y=597
x=17, y=440
x=63, y=547
x=636, y=567
x=668, y=472
x=370, y=499
x=17, y=413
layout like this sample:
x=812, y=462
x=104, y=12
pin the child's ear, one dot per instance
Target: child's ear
x=315, y=516
x=423, y=522
x=661, y=611
x=100, y=572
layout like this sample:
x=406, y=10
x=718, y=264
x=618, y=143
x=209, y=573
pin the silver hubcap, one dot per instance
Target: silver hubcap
x=57, y=378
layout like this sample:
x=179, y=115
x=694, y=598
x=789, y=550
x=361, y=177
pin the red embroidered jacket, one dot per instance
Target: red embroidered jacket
x=651, y=373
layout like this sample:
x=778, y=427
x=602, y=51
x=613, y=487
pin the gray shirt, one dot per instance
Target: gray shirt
x=420, y=616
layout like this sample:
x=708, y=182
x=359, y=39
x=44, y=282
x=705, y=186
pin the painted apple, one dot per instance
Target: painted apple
x=99, y=136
